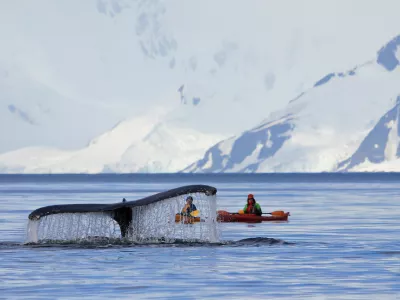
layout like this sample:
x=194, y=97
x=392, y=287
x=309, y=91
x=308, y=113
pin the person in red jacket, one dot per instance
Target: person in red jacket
x=252, y=207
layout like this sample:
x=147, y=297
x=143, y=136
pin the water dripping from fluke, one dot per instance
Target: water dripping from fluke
x=148, y=220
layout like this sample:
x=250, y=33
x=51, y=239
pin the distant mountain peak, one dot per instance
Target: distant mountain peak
x=381, y=143
x=326, y=128
x=259, y=143
x=389, y=55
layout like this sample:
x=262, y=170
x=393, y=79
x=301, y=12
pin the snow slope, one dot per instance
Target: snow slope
x=72, y=69
x=33, y=114
x=380, y=146
x=385, y=166
x=164, y=149
x=346, y=118
x=135, y=145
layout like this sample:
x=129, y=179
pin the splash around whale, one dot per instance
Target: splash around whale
x=145, y=220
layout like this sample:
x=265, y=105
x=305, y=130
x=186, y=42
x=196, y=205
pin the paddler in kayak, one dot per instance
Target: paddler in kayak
x=189, y=207
x=252, y=207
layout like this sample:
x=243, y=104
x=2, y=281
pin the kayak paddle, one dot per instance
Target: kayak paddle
x=195, y=213
x=276, y=213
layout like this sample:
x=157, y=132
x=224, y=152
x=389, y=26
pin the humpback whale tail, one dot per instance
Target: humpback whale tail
x=149, y=217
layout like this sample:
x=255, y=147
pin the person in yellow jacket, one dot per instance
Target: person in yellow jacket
x=189, y=207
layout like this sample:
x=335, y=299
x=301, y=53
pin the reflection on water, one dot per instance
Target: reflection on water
x=341, y=241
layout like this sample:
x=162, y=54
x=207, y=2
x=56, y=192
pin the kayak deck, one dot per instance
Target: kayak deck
x=224, y=216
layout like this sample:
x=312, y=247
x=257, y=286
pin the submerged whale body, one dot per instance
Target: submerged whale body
x=121, y=212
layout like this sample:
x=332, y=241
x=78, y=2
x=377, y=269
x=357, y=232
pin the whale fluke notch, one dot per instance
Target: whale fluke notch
x=121, y=212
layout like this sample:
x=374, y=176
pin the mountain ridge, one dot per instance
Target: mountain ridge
x=74, y=69
x=330, y=157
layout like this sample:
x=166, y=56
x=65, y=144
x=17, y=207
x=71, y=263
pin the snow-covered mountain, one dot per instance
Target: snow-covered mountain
x=34, y=114
x=347, y=120
x=380, y=146
x=71, y=69
x=135, y=145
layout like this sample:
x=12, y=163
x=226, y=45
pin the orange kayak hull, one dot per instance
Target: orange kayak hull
x=224, y=216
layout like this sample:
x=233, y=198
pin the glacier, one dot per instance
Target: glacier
x=73, y=72
x=133, y=145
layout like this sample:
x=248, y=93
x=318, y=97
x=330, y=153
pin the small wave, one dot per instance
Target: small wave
x=261, y=241
x=8, y=245
x=389, y=253
x=106, y=242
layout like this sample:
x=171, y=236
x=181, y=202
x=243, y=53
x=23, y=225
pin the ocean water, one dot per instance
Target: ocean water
x=341, y=241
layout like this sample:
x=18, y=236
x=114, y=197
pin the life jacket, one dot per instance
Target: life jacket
x=251, y=208
x=190, y=208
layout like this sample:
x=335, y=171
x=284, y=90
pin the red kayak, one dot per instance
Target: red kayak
x=224, y=216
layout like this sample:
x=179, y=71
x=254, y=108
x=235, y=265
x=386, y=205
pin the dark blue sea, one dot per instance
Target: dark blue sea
x=341, y=240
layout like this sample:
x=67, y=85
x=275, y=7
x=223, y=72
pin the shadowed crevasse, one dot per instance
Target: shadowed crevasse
x=328, y=77
x=21, y=114
x=324, y=79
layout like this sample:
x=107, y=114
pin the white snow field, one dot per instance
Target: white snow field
x=82, y=84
